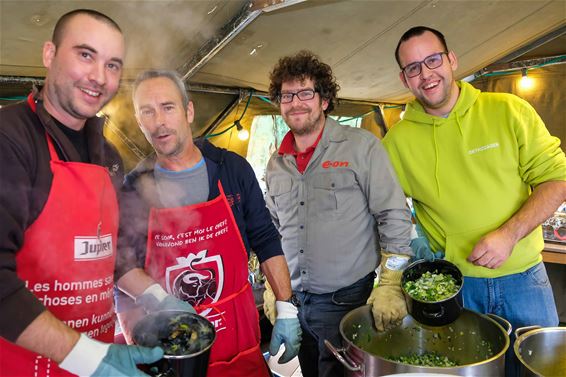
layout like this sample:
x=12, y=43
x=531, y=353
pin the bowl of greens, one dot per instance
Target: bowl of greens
x=433, y=291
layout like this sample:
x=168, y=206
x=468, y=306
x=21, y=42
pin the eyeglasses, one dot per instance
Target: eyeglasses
x=432, y=62
x=303, y=95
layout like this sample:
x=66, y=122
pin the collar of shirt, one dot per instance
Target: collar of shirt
x=302, y=158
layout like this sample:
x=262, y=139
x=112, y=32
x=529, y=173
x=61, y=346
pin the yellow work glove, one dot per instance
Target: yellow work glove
x=269, y=303
x=387, y=299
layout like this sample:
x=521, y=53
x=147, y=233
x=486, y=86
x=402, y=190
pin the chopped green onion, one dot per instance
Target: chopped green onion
x=432, y=287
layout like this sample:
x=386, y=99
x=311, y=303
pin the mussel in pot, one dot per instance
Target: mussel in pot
x=185, y=337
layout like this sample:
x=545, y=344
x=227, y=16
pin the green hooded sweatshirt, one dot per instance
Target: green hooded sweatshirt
x=470, y=172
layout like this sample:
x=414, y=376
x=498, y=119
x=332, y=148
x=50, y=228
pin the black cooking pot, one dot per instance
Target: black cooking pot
x=191, y=357
x=437, y=313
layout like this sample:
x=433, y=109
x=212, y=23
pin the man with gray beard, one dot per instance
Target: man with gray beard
x=334, y=198
x=191, y=214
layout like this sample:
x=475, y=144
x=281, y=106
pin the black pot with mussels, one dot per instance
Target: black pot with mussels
x=185, y=337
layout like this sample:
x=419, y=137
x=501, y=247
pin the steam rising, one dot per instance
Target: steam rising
x=164, y=34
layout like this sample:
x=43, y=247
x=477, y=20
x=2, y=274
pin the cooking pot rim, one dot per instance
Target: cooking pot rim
x=494, y=357
x=527, y=334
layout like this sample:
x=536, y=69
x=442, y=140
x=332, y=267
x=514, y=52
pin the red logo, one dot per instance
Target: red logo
x=334, y=164
x=197, y=279
x=233, y=198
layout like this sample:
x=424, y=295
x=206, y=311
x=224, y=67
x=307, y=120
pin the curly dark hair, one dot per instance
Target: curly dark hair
x=304, y=65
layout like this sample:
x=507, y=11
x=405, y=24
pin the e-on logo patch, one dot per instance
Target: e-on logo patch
x=196, y=279
x=334, y=164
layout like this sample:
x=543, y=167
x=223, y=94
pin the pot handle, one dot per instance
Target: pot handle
x=433, y=315
x=342, y=357
x=502, y=321
x=521, y=330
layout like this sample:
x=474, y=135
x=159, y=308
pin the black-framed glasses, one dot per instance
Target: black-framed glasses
x=432, y=62
x=303, y=95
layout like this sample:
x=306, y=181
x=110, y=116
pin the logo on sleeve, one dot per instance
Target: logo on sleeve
x=92, y=248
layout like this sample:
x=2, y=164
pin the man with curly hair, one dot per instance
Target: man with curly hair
x=335, y=200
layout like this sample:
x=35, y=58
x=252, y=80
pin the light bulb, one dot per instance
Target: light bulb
x=243, y=134
x=526, y=82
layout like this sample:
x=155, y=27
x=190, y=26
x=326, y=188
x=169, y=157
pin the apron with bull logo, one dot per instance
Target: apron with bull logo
x=197, y=254
x=67, y=259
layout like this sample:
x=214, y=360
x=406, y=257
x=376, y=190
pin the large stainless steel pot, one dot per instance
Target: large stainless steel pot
x=477, y=342
x=541, y=351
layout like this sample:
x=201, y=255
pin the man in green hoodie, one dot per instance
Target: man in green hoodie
x=483, y=173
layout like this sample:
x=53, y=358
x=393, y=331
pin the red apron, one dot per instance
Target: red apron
x=197, y=254
x=67, y=259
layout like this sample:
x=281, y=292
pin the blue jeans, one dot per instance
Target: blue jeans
x=320, y=316
x=524, y=299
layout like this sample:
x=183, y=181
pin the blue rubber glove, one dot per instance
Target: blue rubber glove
x=173, y=303
x=287, y=330
x=121, y=360
x=155, y=299
x=93, y=358
x=421, y=247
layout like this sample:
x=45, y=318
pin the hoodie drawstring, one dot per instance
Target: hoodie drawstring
x=436, y=160
x=459, y=124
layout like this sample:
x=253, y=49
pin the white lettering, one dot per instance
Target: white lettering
x=169, y=244
x=59, y=286
x=217, y=320
x=96, y=319
x=485, y=147
x=77, y=323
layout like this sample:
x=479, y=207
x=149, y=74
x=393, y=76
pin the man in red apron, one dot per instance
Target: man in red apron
x=191, y=213
x=59, y=213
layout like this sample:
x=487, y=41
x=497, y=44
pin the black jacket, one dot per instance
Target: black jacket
x=25, y=182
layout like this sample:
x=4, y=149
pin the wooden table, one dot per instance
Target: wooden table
x=554, y=252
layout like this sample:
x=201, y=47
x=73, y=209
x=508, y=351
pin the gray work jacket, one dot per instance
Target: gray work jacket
x=335, y=217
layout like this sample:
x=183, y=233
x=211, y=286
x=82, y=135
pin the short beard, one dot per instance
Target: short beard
x=309, y=128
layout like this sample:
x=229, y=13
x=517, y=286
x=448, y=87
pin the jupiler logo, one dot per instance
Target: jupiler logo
x=87, y=248
x=196, y=279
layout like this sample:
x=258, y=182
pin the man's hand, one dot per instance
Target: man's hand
x=155, y=299
x=387, y=299
x=93, y=358
x=492, y=250
x=287, y=330
x=269, y=304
